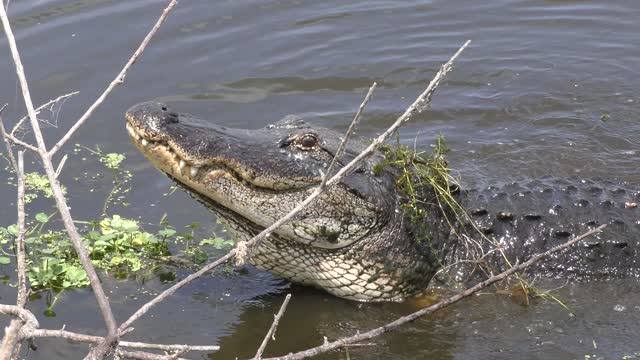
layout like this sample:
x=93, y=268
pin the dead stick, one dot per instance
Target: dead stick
x=10, y=347
x=433, y=308
x=117, y=81
x=138, y=355
x=271, y=334
x=347, y=135
x=38, y=333
x=40, y=108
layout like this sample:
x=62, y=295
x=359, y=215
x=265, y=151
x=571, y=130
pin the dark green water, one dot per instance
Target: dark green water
x=526, y=99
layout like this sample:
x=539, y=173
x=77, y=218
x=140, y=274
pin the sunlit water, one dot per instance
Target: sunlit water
x=547, y=87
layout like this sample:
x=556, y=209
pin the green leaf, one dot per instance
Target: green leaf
x=13, y=229
x=107, y=237
x=4, y=260
x=42, y=217
x=93, y=235
x=211, y=241
x=31, y=240
x=193, y=225
x=200, y=256
x=166, y=232
x=101, y=244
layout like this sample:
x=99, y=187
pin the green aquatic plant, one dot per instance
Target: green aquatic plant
x=117, y=245
x=419, y=170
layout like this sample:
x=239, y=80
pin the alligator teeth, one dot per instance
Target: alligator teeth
x=194, y=171
x=182, y=164
x=145, y=142
x=129, y=127
x=138, y=137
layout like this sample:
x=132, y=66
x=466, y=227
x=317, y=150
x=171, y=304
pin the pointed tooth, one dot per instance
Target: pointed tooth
x=138, y=137
x=194, y=171
x=144, y=142
x=128, y=126
x=182, y=165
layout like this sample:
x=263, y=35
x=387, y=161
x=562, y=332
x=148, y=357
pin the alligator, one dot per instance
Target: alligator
x=356, y=240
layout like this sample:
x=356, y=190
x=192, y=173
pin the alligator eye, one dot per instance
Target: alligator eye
x=308, y=141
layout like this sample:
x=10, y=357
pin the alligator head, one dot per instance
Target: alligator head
x=352, y=241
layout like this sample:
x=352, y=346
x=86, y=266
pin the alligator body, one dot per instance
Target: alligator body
x=355, y=241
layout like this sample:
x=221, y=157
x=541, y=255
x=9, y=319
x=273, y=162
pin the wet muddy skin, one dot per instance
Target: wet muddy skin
x=547, y=88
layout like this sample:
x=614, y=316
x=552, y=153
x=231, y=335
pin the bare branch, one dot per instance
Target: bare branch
x=61, y=203
x=117, y=81
x=138, y=355
x=271, y=334
x=170, y=291
x=25, y=315
x=433, y=308
x=38, y=333
x=10, y=347
x=30, y=331
x=347, y=135
x=422, y=100
x=40, y=108
x=21, y=258
x=19, y=142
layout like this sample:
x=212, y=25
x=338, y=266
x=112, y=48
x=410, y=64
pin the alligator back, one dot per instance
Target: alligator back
x=532, y=216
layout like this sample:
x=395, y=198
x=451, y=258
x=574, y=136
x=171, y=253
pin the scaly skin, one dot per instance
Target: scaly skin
x=355, y=241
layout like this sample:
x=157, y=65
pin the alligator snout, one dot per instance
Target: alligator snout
x=152, y=117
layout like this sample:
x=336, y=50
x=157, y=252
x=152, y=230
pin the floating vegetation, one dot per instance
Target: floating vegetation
x=116, y=244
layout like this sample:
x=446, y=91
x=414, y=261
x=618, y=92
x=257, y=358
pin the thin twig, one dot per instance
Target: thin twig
x=23, y=314
x=347, y=135
x=19, y=142
x=138, y=355
x=10, y=347
x=337, y=177
x=40, y=108
x=168, y=292
x=38, y=333
x=271, y=334
x=117, y=81
x=31, y=331
x=433, y=308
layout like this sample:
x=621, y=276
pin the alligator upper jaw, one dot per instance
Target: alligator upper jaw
x=169, y=160
x=183, y=146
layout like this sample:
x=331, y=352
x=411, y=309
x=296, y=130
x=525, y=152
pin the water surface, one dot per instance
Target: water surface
x=547, y=87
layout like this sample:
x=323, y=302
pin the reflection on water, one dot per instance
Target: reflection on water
x=547, y=87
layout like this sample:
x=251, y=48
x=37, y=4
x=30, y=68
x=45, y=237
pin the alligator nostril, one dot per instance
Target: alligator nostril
x=164, y=108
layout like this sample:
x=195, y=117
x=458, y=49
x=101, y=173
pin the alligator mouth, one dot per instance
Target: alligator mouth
x=172, y=160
